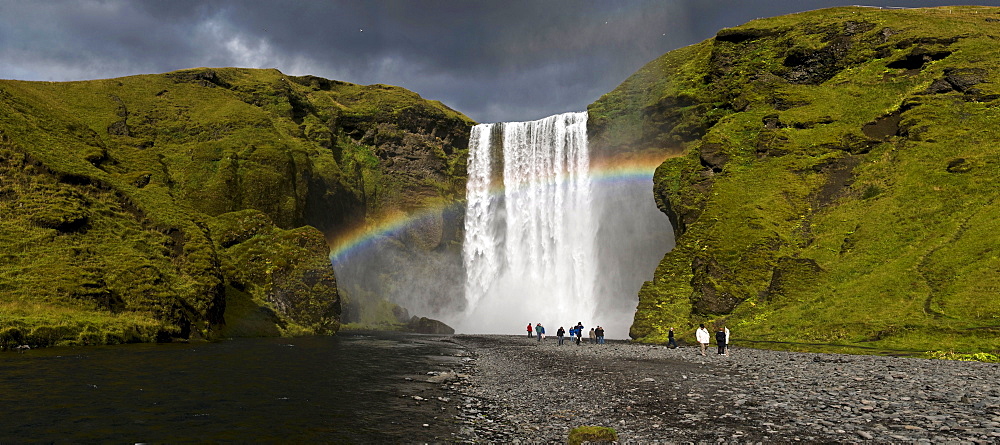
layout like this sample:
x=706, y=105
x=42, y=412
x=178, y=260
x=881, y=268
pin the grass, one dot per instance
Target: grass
x=40, y=325
x=193, y=198
x=813, y=232
x=590, y=434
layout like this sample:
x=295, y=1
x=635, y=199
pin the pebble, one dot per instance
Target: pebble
x=517, y=391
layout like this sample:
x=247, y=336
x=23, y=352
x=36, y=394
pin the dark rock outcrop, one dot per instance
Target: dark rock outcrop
x=424, y=325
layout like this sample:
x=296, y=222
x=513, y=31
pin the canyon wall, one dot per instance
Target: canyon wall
x=832, y=178
x=199, y=203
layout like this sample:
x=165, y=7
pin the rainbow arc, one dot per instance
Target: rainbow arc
x=350, y=242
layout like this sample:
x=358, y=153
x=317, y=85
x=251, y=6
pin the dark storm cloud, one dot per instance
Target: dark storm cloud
x=493, y=61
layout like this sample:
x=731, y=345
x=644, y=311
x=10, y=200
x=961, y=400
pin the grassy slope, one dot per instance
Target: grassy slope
x=797, y=225
x=138, y=206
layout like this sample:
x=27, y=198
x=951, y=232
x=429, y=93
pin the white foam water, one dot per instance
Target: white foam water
x=530, y=232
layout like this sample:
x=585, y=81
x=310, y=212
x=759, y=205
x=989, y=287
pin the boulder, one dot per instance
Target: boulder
x=424, y=325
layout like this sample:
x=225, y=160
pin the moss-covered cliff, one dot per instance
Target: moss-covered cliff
x=195, y=203
x=835, y=178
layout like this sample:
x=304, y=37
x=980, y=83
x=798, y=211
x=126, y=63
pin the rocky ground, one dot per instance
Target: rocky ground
x=508, y=389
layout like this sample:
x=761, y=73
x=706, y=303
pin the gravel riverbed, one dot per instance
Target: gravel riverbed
x=509, y=389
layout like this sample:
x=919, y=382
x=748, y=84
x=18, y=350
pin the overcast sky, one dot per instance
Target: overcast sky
x=492, y=60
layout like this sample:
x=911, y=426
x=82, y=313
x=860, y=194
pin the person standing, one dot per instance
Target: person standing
x=600, y=335
x=703, y=338
x=540, y=331
x=579, y=332
x=560, y=333
x=593, y=337
x=727, y=342
x=670, y=339
x=720, y=340
x=529, y=330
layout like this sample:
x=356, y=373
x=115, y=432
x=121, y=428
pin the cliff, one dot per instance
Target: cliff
x=832, y=179
x=198, y=203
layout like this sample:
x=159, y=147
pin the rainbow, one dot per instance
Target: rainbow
x=343, y=246
x=626, y=169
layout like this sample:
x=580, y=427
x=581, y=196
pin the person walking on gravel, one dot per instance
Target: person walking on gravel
x=670, y=339
x=559, y=334
x=529, y=331
x=703, y=338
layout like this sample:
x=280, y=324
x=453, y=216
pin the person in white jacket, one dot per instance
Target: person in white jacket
x=703, y=338
x=727, y=341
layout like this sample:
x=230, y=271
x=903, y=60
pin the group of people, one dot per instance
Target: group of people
x=596, y=334
x=703, y=337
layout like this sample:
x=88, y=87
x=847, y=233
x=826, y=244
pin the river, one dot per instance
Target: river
x=350, y=388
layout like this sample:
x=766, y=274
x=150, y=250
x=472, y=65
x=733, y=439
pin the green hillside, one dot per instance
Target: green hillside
x=834, y=179
x=197, y=203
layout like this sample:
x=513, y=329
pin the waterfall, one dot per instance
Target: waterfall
x=530, y=250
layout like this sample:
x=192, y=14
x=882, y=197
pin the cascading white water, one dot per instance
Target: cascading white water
x=530, y=231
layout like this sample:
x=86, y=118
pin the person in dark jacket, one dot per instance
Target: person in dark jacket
x=600, y=335
x=670, y=339
x=560, y=333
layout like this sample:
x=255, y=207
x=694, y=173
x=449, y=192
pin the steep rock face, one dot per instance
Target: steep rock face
x=198, y=203
x=834, y=178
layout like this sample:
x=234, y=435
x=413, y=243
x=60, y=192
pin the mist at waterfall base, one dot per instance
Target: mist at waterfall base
x=396, y=265
x=547, y=235
x=548, y=239
x=632, y=237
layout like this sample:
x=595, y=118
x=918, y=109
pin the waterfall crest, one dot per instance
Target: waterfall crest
x=530, y=232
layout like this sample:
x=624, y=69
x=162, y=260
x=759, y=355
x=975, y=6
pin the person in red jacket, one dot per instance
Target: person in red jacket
x=529, y=330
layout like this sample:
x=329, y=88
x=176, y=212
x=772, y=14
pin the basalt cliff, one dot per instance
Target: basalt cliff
x=832, y=179
x=200, y=203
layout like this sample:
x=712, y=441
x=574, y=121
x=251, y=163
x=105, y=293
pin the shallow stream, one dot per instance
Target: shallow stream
x=346, y=389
